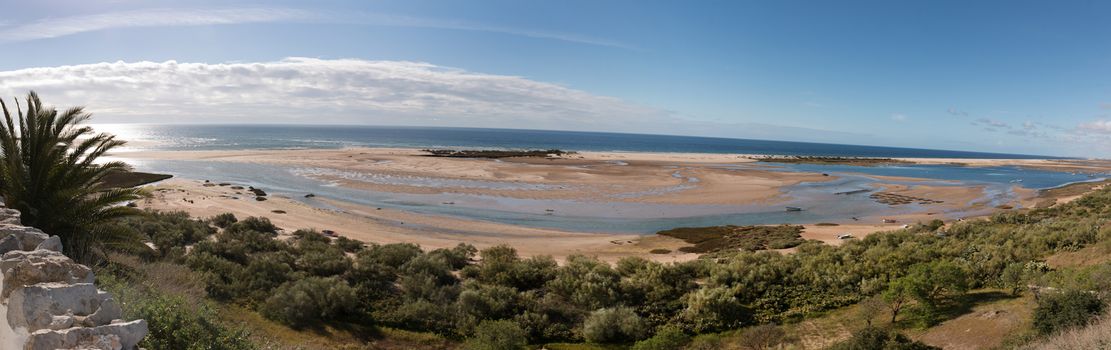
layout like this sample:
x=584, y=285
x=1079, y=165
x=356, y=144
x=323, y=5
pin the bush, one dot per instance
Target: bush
x=616, y=325
x=762, y=337
x=392, y=255
x=348, y=245
x=224, y=220
x=173, y=323
x=714, y=309
x=497, y=335
x=1065, y=310
x=668, y=338
x=254, y=224
x=310, y=300
x=872, y=338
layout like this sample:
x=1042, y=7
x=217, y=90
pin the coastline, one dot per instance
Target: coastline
x=701, y=180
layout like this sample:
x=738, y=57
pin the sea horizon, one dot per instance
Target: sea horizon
x=240, y=136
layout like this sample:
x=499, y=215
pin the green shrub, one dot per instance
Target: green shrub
x=458, y=256
x=497, y=335
x=872, y=338
x=714, y=309
x=254, y=223
x=668, y=338
x=324, y=262
x=173, y=323
x=224, y=220
x=392, y=255
x=587, y=283
x=348, y=245
x=1066, y=310
x=616, y=325
x=177, y=325
x=309, y=301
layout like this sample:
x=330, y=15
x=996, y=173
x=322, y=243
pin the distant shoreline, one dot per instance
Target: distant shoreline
x=273, y=136
x=601, y=203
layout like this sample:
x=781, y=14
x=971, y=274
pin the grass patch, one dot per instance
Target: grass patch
x=730, y=237
x=826, y=224
x=660, y=251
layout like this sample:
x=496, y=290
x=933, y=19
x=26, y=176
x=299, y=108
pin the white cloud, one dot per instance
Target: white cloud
x=1098, y=127
x=353, y=91
x=323, y=91
x=899, y=117
x=58, y=27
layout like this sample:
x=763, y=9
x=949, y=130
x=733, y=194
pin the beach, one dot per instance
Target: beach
x=600, y=185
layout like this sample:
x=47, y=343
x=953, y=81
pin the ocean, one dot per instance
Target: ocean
x=821, y=199
x=234, y=137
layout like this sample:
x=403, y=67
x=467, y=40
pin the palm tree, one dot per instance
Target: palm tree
x=49, y=172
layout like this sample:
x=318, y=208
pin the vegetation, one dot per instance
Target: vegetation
x=497, y=335
x=486, y=153
x=127, y=179
x=175, y=321
x=916, y=276
x=871, y=338
x=1070, y=309
x=50, y=172
x=731, y=238
x=495, y=299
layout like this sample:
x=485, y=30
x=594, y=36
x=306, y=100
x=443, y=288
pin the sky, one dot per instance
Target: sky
x=1030, y=77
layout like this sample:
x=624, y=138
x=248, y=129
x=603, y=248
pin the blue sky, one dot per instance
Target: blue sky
x=1003, y=76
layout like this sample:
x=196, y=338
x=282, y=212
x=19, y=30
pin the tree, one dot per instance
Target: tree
x=870, y=308
x=51, y=174
x=898, y=295
x=928, y=284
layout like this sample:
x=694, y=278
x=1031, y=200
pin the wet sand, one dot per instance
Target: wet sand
x=663, y=178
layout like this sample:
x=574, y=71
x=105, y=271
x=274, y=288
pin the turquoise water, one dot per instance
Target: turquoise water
x=820, y=199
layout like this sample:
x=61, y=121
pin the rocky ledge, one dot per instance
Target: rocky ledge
x=49, y=301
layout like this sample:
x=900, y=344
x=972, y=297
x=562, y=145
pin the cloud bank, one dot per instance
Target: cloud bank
x=309, y=90
x=354, y=91
x=58, y=27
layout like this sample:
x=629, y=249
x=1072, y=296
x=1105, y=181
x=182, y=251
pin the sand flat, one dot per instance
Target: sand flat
x=617, y=177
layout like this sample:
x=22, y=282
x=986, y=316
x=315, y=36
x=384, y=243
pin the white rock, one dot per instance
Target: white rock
x=35, y=306
x=53, y=243
x=29, y=237
x=109, y=310
x=62, y=322
x=22, y=268
x=10, y=243
x=127, y=336
x=9, y=216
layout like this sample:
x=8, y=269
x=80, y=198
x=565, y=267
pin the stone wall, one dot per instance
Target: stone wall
x=49, y=301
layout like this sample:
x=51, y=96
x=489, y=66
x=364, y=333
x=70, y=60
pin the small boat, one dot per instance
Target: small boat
x=794, y=209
